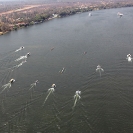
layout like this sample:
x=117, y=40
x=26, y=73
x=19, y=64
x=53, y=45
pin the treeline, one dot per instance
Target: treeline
x=45, y=12
x=16, y=20
x=4, y=27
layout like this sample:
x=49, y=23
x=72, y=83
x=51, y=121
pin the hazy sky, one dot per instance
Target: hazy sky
x=9, y=0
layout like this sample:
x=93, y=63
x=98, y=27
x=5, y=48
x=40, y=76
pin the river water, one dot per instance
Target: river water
x=78, y=44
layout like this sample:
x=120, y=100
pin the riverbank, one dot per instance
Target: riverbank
x=31, y=15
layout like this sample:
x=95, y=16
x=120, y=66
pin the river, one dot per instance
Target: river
x=76, y=44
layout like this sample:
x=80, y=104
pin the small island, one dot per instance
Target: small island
x=17, y=14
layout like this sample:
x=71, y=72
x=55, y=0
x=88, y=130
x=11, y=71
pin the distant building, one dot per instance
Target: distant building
x=55, y=15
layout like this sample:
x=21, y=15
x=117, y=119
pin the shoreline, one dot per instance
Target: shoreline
x=18, y=26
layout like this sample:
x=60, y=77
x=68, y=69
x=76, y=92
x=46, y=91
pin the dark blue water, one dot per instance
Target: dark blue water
x=106, y=104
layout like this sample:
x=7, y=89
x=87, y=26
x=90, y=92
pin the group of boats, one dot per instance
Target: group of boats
x=119, y=14
x=77, y=96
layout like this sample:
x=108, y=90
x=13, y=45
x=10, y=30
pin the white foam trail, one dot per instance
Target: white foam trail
x=34, y=84
x=19, y=49
x=99, y=69
x=23, y=57
x=129, y=59
x=17, y=66
x=50, y=90
x=76, y=97
x=8, y=85
x=21, y=63
x=63, y=70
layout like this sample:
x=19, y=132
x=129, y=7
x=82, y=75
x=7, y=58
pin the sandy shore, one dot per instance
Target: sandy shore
x=22, y=9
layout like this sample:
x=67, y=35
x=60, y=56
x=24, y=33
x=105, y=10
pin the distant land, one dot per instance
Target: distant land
x=15, y=14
